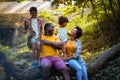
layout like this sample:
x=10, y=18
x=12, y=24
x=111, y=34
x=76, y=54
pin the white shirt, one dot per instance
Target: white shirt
x=34, y=24
x=62, y=34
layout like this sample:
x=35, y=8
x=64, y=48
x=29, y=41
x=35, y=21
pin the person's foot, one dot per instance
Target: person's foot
x=33, y=64
x=37, y=64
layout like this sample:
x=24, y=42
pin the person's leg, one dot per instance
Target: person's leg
x=84, y=70
x=74, y=64
x=34, y=49
x=38, y=50
x=65, y=74
x=60, y=65
x=46, y=66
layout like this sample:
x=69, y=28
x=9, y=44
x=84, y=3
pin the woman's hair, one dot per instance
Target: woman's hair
x=33, y=9
x=62, y=20
x=79, y=32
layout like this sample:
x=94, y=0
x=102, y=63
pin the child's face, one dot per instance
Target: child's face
x=33, y=14
x=64, y=24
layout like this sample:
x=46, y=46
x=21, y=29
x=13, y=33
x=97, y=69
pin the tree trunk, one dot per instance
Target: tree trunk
x=104, y=7
x=28, y=74
x=33, y=74
x=101, y=62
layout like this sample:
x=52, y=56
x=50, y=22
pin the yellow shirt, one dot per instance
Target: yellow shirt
x=56, y=30
x=47, y=50
x=70, y=48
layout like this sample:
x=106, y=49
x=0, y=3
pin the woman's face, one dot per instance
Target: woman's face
x=73, y=32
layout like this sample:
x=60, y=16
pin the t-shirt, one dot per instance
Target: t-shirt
x=47, y=50
x=34, y=25
x=70, y=48
x=61, y=33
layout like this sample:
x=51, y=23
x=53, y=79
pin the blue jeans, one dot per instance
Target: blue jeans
x=80, y=67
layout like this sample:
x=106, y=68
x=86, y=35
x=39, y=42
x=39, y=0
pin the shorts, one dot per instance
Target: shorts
x=34, y=40
x=56, y=62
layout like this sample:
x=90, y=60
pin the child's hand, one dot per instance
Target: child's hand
x=24, y=18
x=32, y=33
x=69, y=33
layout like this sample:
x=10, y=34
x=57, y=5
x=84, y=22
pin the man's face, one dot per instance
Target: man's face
x=33, y=14
x=50, y=30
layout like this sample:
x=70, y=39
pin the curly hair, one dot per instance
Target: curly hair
x=79, y=32
x=62, y=20
x=33, y=9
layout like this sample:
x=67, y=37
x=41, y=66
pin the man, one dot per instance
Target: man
x=49, y=56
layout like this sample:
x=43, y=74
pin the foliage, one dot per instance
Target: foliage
x=48, y=16
x=110, y=72
x=99, y=21
x=2, y=74
x=12, y=0
x=11, y=20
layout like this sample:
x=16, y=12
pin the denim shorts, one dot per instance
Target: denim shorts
x=34, y=40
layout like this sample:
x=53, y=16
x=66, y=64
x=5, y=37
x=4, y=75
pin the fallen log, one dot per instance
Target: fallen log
x=9, y=68
x=33, y=74
x=101, y=62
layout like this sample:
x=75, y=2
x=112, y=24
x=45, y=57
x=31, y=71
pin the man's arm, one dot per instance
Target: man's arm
x=57, y=45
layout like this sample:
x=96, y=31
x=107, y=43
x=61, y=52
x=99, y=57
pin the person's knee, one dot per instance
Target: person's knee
x=45, y=65
x=33, y=46
x=79, y=69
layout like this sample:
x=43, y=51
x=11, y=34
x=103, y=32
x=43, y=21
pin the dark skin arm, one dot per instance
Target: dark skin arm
x=57, y=45
x=64, y=56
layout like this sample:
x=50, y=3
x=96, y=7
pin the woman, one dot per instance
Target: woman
x=72, y=49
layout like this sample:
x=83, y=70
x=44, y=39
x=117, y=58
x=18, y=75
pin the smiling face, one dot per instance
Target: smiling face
x=73, y=32
x=33, y=14
x=63, y=24
x=50, y=29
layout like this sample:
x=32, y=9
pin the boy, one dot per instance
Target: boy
x=34, y=26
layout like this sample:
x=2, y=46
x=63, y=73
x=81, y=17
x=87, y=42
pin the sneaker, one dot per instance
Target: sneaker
x=33, y=64
x=37, y=64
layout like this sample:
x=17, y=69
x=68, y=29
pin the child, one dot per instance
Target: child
x=34, y=26
x=61, y=31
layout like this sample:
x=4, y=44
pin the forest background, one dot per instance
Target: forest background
x=99, y=19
